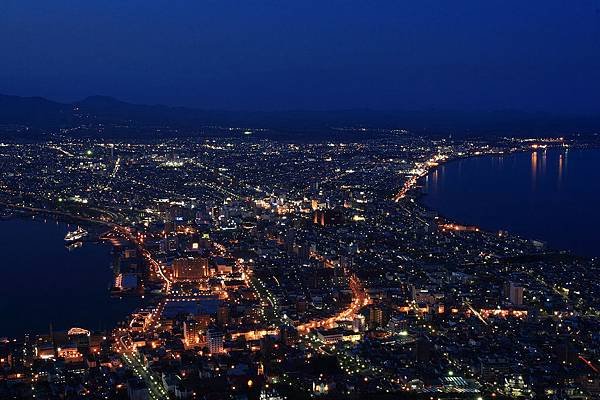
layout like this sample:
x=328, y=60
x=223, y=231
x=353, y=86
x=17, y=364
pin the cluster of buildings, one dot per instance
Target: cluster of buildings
x=276, y=270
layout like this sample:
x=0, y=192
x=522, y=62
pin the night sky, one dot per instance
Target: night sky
x=278, y=55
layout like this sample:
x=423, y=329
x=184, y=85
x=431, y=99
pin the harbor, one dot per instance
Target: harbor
x=58, y=282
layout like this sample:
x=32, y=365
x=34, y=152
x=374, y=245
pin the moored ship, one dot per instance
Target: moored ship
x=76, y=235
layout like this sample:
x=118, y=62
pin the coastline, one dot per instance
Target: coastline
x=417, y=193
x=61, y=216
x=93, y=284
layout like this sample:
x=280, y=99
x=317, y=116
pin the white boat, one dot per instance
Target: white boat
x=77, y=234
x=73, y=245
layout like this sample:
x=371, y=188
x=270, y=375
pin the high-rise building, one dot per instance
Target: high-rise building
x=137, y=389
x=398, y=324
x=191, y=332
x=358, y=323
x=190, y=268
x=289, y=239
x=423, y=350
x=289, y=334
x=516, y=294
x=327, y=217
x=222, y=315
x=214, y=337
x=506, y=290
x=493, y=368
x=375, y=317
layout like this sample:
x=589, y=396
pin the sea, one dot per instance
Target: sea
x=551, y=195
x=42, y=282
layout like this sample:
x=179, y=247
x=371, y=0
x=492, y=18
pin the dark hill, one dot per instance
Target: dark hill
x=42, y=114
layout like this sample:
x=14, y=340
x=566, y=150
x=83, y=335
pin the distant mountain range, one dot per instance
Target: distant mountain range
x=39, y=115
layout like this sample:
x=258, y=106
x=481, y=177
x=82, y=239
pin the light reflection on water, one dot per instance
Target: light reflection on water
x=45, y=282
x=550, y=195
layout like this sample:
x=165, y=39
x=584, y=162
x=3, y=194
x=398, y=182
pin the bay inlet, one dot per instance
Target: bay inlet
x=548, y=194
x=45, y=283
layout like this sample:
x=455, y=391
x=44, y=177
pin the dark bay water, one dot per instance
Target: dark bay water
x=43, y=282
x=550, y=195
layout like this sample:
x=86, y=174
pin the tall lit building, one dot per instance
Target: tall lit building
x=191, y=332
x=375, y=317
x=358, y=323
x=214, y=337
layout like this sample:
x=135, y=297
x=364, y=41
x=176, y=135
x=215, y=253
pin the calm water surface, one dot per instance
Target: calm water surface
x=43, y=282
x=550, y=195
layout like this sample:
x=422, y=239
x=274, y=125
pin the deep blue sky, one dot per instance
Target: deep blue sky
x=263, y=55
